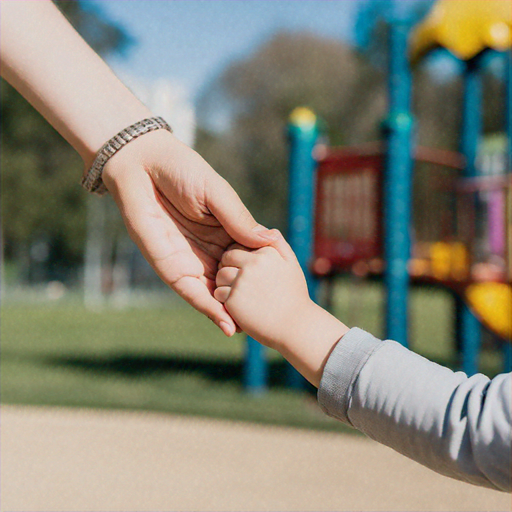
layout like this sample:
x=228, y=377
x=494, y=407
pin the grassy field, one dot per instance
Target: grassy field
x=167, y=357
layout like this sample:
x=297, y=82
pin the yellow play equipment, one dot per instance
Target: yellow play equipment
x=464, y=28
x=492, y=304
x=491, y=301
x=467, y=30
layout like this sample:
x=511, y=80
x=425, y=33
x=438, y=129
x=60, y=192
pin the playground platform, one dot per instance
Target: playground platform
x=89, y=460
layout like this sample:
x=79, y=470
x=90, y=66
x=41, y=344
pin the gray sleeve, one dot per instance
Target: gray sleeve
x=458, y=426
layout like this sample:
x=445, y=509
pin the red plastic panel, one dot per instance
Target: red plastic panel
x=348, y=221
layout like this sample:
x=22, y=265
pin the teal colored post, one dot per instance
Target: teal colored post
x=508, y=109
x=471, y=117
x=255, y=367
x=468, y=327
x=398, y=186
x=469, y=332
x=507, y=357
x=507, y=347
x=303, y=135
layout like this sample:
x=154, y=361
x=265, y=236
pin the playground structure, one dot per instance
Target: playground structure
x=350, y=209
x=462, y=242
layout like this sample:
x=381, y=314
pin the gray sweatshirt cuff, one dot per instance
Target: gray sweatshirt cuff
x=351, y=354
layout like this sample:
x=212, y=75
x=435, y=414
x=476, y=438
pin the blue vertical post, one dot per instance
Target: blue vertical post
x=507, y=356
x=507, y=347
x=398, y=185
x=255, y=367
x=303, y=135
x=508, y=108
x=471, y=116
x=468, y=329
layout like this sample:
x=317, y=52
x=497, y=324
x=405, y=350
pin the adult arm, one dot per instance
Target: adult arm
x=177, y=209
x=458, y=426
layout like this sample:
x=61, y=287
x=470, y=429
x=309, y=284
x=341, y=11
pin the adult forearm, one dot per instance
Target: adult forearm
x=194, y=215
x=48, y=62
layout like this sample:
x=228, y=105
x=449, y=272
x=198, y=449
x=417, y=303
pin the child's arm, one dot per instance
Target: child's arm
x=265, y=291
x=458, y=426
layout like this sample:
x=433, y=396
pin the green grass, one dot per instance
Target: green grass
x=170, y=358
x=166, y=359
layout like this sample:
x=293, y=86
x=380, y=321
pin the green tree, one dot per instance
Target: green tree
x=345, y=88
x=290, y=70
x=40, y=195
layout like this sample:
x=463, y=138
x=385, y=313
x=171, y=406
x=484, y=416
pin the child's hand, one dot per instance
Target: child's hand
x=264, y=291
x=266, y=294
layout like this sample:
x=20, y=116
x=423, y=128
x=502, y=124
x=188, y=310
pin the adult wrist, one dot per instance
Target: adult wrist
x=141, y=155
x=92, y=180
x=110, y=117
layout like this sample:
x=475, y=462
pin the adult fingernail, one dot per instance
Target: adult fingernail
x=227, y=329
x=259, y=228
x=267, y=234
x=274, y=234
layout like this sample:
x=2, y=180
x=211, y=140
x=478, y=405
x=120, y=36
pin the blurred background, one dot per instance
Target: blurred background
x=84, y=319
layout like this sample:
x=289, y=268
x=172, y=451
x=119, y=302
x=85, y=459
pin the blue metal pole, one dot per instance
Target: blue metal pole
x=255, y=367
x=507, y=347
x=471, y=117
x=398, y=185
x=470, y=332
x=468, y=327
x=303, y=135
x=507, y=357
x=508, y=110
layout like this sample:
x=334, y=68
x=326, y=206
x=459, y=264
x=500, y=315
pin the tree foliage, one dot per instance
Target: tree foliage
x=344, y=88
x=292, y=69
x=40, y=195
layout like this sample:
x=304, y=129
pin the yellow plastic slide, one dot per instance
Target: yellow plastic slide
x=492, y=304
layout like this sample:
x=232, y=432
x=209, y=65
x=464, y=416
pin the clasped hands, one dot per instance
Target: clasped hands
x=182, y=215
x=202, y=241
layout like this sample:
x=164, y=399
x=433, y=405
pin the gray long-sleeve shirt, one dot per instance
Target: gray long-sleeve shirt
x=458, y=426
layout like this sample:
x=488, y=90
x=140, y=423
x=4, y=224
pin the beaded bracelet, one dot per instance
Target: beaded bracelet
x=92, y=181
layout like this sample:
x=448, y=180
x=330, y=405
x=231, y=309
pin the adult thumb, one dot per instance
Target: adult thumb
x=236, y=219
x=282, y=246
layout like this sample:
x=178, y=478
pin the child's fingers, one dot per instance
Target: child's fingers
x=235, y=258
x=233, y=247
x=222, y=293
x=238, y=246
x=226, y=276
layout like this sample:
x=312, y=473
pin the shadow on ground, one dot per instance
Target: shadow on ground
x=144, y=366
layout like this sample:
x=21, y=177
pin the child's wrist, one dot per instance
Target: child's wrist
x=295, y=330
x=311, y=341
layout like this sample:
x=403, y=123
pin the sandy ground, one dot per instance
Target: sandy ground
x=85, y=460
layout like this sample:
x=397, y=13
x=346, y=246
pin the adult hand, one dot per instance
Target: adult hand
x=182, y=215
x=178, y=210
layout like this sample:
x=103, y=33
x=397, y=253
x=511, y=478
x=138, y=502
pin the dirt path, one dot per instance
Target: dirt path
x=82, y=460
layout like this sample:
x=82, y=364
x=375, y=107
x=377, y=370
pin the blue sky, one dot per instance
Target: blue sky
x=190, y=41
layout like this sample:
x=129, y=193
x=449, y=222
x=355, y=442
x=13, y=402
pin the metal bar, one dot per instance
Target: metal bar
x=468, y=329
x=303, y=135
x=471, y=117
x=507, y=347
x=507, y=357
x=508, y=122
x=255, y=368
x=470, y=339
x=398, y=186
